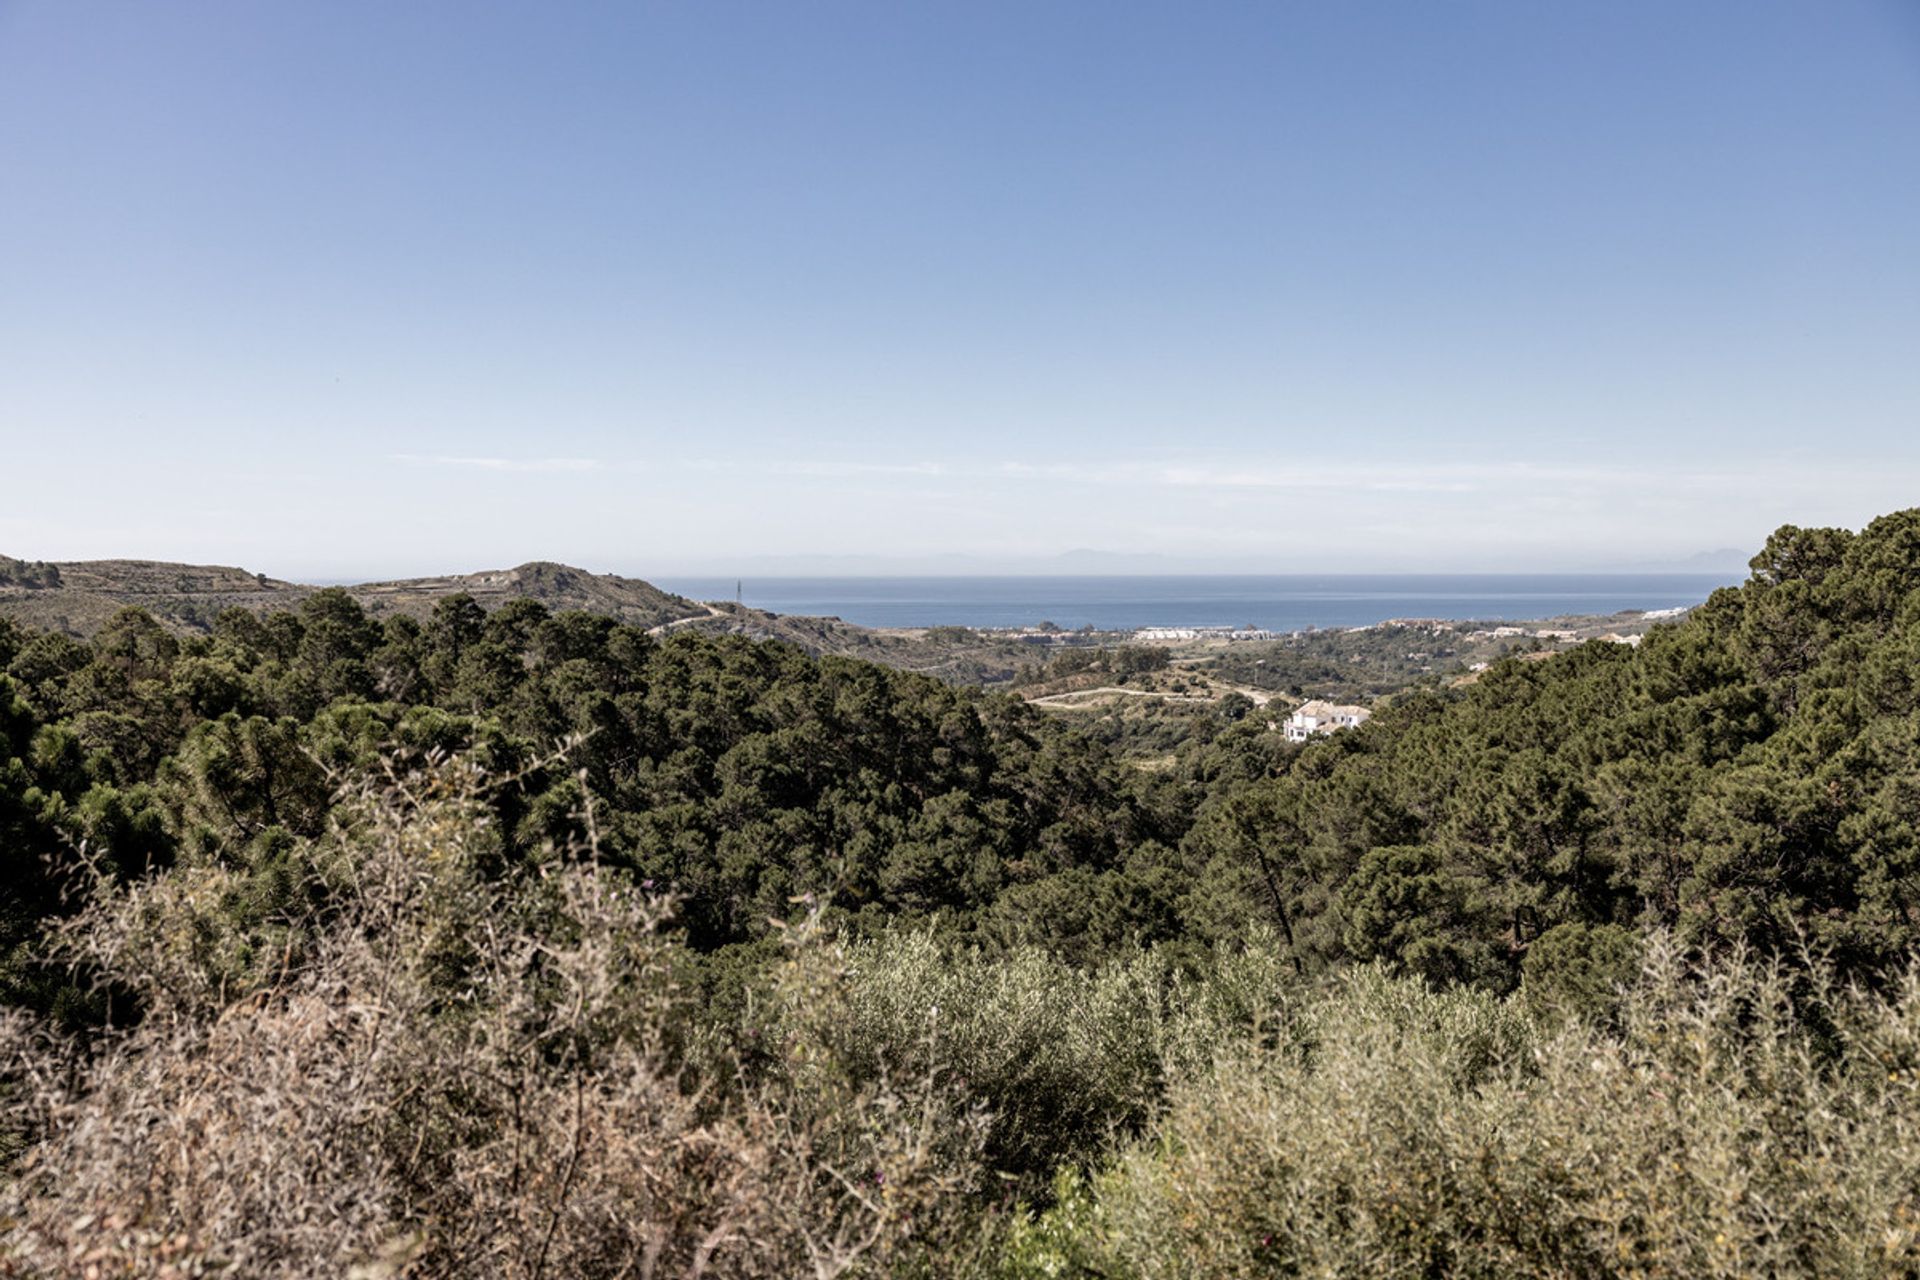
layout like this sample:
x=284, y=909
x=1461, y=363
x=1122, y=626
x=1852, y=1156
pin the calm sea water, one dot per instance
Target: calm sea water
x=1278, y=603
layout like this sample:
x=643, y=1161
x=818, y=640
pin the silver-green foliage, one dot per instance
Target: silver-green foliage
x=1740, y=1120
x=1060, y=1059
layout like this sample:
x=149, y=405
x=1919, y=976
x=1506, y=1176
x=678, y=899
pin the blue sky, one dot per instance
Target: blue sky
x=358, y=288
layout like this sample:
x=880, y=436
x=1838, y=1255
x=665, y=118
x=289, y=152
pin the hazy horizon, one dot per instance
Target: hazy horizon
x=1728, y=564
x=372, y=290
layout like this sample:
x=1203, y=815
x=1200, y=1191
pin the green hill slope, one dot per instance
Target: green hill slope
x=80, y=597
x=1751, y=775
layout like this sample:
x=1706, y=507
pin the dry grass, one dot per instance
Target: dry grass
x=448, y=1073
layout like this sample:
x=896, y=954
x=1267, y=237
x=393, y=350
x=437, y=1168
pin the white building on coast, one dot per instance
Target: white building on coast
x=1149, y=635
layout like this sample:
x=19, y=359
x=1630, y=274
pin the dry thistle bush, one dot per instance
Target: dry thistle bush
x=449, y=1067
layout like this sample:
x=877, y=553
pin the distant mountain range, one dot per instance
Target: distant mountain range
x=1726, y=560
x=80, y=596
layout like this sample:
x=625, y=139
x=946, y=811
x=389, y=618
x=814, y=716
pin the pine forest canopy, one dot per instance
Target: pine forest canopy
x=1747, y=774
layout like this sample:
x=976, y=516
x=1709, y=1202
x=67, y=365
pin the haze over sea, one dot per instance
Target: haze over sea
x=1275, y=602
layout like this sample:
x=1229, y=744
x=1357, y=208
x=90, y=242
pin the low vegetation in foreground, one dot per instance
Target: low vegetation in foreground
x=440, y=1065
x=533, y=945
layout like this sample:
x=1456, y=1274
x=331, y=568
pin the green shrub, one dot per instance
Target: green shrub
x=1739, y=1122
x=1060, y=1060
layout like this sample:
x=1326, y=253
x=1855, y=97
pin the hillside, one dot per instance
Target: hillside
x=560, y=587
x=956, y=655
x=80, y=597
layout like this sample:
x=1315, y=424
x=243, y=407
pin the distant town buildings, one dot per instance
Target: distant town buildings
x=1310, y=718
x=1148, y=634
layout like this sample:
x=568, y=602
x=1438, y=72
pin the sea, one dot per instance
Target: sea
x=1285, y=602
